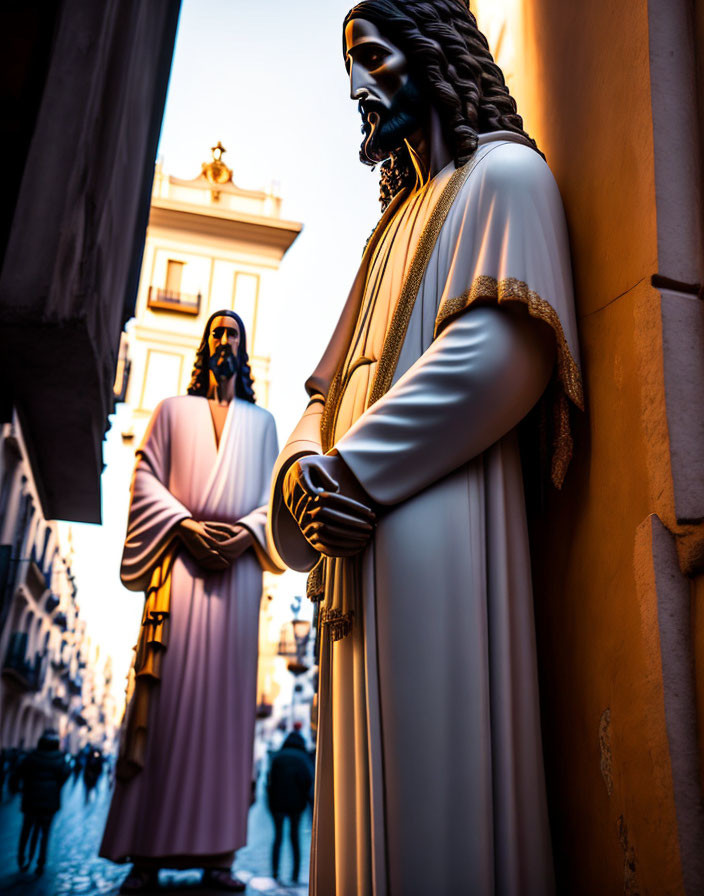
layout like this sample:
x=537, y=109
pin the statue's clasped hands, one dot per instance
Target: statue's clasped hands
x=214, y=546
x=332, y=510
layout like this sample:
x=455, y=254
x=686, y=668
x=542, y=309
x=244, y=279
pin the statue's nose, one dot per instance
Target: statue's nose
x=358, y=87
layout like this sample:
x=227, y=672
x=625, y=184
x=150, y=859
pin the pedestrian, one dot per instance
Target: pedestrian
x=14, y=757
x=288, y=791
x=3, y=770
x=92, y=771
x=40, y=776
x=78, y=763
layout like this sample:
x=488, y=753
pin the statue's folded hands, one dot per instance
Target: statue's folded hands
x=331, y=509
x=214, y=545
x=231, y=539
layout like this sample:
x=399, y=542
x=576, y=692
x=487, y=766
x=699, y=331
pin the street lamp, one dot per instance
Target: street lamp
x=295, y=649
x=301, y=633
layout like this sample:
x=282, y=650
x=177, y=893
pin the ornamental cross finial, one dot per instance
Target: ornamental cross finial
x=217, y=171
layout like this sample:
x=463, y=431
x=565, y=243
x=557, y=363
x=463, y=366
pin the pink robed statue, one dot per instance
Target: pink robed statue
x=196, y=545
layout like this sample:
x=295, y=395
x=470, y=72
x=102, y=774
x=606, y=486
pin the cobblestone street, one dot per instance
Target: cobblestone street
x=73, y=866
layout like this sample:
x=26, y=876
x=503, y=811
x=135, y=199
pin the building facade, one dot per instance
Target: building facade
x=210, y=245
x=47, y=664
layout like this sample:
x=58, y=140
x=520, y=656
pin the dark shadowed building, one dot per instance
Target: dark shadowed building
x=84, y=86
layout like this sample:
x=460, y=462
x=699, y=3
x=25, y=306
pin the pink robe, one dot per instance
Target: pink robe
x=193, y=794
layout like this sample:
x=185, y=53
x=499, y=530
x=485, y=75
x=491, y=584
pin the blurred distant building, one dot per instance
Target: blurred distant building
x=99, y=708
x=210, y=245
x=46, y=666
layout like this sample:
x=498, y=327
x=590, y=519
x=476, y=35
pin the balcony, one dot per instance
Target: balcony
x=60, y=666
x=35, y=581
x=17, y=670
x=180, y=302
x=51, y=602
x=60, y=702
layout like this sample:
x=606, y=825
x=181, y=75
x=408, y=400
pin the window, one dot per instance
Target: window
x=174, y=274
x=170, y=297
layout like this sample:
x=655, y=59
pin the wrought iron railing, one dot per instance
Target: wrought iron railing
x=167, y=300
x=25, y=674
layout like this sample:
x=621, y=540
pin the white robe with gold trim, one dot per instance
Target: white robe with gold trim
x=429, y=765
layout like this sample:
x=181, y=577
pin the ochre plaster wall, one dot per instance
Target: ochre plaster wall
x=585, y=96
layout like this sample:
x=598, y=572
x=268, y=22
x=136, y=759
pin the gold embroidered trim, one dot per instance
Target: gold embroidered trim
x=315, y=584
x=334, y=394
x=402, y=314
x=330, y=412
x=338, y=624
x=145, y=673
x=512, y=290
x=404, y=308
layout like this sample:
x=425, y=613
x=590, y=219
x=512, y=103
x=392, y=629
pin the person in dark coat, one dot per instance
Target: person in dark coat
x=288, y=790
x=92, y=771
x=41, y=775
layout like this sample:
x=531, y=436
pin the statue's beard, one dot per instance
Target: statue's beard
x=386, y=129
x=223, y=363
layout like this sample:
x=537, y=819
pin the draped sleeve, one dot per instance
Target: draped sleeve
x=474, y=384
x=501, y=262
x=285, y=538
x=154, y=512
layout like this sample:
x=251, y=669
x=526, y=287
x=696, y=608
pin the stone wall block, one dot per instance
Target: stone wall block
x=657, y=570
x=683, y=359
x=676, y=141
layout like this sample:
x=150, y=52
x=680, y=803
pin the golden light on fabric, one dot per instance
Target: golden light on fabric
x=512, y=290
x=146, y=671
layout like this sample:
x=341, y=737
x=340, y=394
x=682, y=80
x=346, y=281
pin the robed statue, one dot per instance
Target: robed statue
x=401, y=489
x=196, y=544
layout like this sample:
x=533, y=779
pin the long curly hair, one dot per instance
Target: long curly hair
x=450, y=58
x=200, y=378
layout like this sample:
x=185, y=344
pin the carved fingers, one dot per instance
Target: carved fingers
x=214, y=546
x=231, y=540
x=330, y=507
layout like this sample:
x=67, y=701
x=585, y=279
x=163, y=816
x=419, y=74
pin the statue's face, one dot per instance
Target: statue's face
x=223, y=343
x=389, y=101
